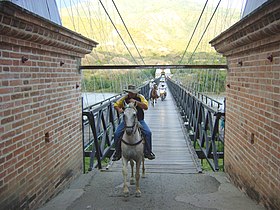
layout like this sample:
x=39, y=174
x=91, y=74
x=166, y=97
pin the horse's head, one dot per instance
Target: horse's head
x=130, y=118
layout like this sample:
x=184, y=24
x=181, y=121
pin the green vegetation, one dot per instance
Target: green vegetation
x=104, y=162
x=114, y=81
x=206, y=167
x=207, y=80
x=204, y=163
x=161, y=32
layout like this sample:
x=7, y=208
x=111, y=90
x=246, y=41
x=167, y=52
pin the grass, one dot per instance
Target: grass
x=104, y=162
x=206, y=167
x=204, y=163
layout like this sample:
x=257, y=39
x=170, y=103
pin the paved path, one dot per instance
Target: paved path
x=172, y=179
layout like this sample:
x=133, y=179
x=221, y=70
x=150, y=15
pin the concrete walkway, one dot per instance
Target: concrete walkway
x=103, y=191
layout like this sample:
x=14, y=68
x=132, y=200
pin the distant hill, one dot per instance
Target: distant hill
x=161, y=29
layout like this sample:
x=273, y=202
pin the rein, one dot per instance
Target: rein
x=130, y=143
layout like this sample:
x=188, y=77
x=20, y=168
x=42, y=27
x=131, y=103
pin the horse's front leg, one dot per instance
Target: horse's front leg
x=124, y=171
x=143, y=168
x=137, y=176
x=132, y=179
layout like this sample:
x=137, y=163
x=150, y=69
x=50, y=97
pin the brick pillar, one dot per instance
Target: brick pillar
x=41, y=138
x=252, y=135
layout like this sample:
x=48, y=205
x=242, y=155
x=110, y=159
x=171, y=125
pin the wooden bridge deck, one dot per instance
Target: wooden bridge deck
x=170, y=145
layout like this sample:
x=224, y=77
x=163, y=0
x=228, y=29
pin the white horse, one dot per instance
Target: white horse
x=132, y=145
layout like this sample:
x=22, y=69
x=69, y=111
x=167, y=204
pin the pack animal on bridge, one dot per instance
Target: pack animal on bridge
x=154, y=95
x=132, y=145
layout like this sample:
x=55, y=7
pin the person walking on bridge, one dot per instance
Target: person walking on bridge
x=141, y=105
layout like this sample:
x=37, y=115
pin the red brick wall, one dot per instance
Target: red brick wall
x=41, y=137
x=252, y=137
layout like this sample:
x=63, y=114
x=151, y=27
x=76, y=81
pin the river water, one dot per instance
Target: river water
x=219, y=98
x=90, y=98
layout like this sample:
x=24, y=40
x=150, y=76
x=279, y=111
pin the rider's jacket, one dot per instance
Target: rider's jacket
x=138, y=97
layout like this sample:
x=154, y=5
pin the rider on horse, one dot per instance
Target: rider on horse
x=141, y=105
x=162, y=90
x=154, y=92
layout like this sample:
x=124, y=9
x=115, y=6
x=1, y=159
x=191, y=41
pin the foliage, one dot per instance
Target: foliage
x=161, y=35
x=203, y=80
x=114, y=81
x=161, y=31
x=206, y=167
x=104, y=162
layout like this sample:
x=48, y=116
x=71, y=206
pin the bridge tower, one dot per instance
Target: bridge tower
x=252, y=132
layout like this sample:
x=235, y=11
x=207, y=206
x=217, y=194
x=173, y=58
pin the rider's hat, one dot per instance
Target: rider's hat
x=131, y=89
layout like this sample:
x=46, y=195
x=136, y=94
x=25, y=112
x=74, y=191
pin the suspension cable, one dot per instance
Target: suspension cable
x=128, y=32
x=204, y=31
x=117, y=31
x=69, y=13
x=101, y=33
x=194, y=31
x=80, y=17
x=72, y=15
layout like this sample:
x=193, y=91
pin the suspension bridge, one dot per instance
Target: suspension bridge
x=195, y=121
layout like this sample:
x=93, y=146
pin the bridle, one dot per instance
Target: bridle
x=134, y=127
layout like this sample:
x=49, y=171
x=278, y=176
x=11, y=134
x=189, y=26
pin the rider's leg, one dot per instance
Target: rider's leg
x=148, y=136
x=117, y=136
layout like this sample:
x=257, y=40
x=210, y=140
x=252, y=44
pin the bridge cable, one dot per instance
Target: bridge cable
x=117, y=32
x=128, y=79
x=204, y=31
x=86, y=57
x=101, y=83
x=101, y=33
x=91, y=22
x=70, y=14
x=104, y=26
x=128, y=31
x=85, y=100
x=194, y=31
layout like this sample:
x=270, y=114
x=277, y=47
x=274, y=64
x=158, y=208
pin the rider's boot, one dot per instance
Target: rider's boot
x=148, y=153
x=118, y=152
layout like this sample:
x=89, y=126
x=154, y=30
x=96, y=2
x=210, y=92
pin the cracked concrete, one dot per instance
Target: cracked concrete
x=226, y=197
x=103, y=191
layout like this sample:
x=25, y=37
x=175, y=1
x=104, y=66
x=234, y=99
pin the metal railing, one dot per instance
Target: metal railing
x=99, y=124
x=204, y=98
x=204, y=122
